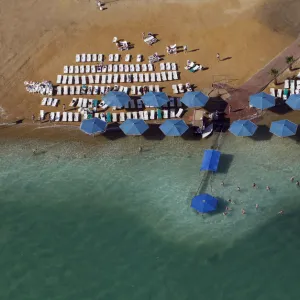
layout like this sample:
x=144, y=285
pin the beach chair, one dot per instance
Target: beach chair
x=109, y=68
x=172, y=102
x=114, y=117
x=81, y=69
x=139, y=58
x=94, y=57
x=141, y=115
x=110, y=57
x=272, y=92
x=71, y=69
x=165, y=114
x=91, y=79
x=93, y=69
x=170, y=75
x=159, y=114
x=83, y=79
x=121, y=68
x=97, y=115
x=102, y=116
x=44, y=101
x=65, y=116
x=127, y=57
x=42, y=115
x=157, y=88
x=134, y=115
x=96, y=90
x=83, y=57
x=122, y=78
x=77, y=58
x=158, y=77
x=57, y=117
x=168, y=66
x=150, y=68
x=76, y=69
x=162, y=66
x=153, y=79
x=135, y=77
x=85, y=115
x=90, y=90
x=52, y=116
x=80, y=101
x=125, y=89
x=102, y=90
x=76, y=79
x=139, y=104
x=103, y=79
x=66, y=69
x=76, y=117
x=141, y=77
x=175, y=75
x=292, y=91
x=49, y=101
x=88, y=57
x=58, y=90
x=87, y=69
x=109, y=78
x=58, y=79
x=151, y=88
x=115, y=68
x=132, y=68
x=163, y=76
x=181, y=88
x=279, y=93
x=139, y=90
x=132, y=104
x=116, y=57
x=100, y=57
x=97, y=79
x=146, y=77
x=55, y=102
x=104, y=69
x=126, y=68
x=128, y=78
x=172, y=113
x=175, y=89
x=70, y=117
x=122, y=117
x=152, y=114
x=77, y=90
x=70, y=79
x=146, y=115
x=128, y=115
x=138, y=68
x=178, y=102
x=121, y=88
x=285, y=94
x=84, y=102
x=133, y=90
x=73, y=102
x=173, y=67
x=64, y=79
x=144, y=68
x=116, y=78
x=179, y=113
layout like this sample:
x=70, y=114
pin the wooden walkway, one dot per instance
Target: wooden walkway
x=239, y=97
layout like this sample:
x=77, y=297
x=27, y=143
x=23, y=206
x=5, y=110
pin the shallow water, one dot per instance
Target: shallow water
x=108, y=222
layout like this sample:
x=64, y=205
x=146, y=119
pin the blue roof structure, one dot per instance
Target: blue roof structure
x=173, y=127
x=114, y=98
x=204, y=203
x=93, y=126
x=134, y=127
x=194, y=99
x=210, y=160
x=243, y=128
x=294, y=101
x=283, y=128
x=262, y=100
x=156, y=99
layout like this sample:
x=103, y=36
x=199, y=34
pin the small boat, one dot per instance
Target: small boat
x=207, y=131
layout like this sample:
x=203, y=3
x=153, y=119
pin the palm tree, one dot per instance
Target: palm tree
x=274, y=73
x=290, y=60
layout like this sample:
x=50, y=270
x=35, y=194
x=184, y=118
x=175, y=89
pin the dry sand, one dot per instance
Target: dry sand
x=39, y=37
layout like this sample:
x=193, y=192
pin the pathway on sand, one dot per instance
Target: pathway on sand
x=239, y=98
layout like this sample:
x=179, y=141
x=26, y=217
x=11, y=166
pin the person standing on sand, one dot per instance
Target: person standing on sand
x=185, y=49
x=33, y=118
x=229, y=108
x=218, y=57
x=143, y=34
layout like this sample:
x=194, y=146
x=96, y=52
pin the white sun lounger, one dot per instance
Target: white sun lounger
x=162, y=66
x=52, y=116
x=79, y=104
x=83, y=57
x=132, y=68
x=179, y=113
x=170, y=75
x=114, y=117
x=116, y=78
x=87, y=69
x=100, y=57
x=91, y=79
x=139, y=57
x=59, y=90
x=134, y=115
x=128, y=78
x=66, y=90
x=76, y=79
x=88, y=57
x=126, y=68
x=147, y=79
x=57, y=116
x=157, y=88
x=128, y=115
x=175, y=75
x=70, y=117
x=76, y=117
x=152, y=115
x=42, y=114
x=165, y=114
x=102, y=89
x=77, y=58
x=279, y=93
x=144, y=68
x=139, y=90
x=127, y=57
x=132, y=104
x=141, y=115
x=168, y=66
x=115, y=68
x=175, y=89
x=76, y=69
x=151, y=88
x=109, y=68
x=158, y=77
x=66, y=69
x=49, y=101
x=96, y=90
x=138, y=68
x=64, y=79
x=121, y=68
x=94, y=57
x=77, y=90
x=172, y=113
x=150, y=68
x=163, y=76
x=146, y=115
x=133, y=90
x=70, y=79
x=109, y=78
x=153, y=79
x=90, y=90
x=85, y=102
x=181, y=88
x=83, y=79
x=116, y=57
x=286, y=84
x=55, y=102
x=103, y=79
x=122, y=117
x=93, y=69
x=73, y=102
x=65, y=116
x=102, y=117
x=44, y=101
x=135, y=77
x=58, y=79
x=111, y=57
x=125, y=89
x=174, y=67
x=272, y=91
x=96, y=115
x=141, y=77
x=71, y=69
x=81, y=69
x=97, y=79
x=104, y=69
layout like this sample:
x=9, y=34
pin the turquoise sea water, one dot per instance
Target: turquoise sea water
x=107, y=222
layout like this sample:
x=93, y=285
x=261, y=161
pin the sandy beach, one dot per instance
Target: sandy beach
x=45, y=36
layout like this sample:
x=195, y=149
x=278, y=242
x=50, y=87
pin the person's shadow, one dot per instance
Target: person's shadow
x=226, y=58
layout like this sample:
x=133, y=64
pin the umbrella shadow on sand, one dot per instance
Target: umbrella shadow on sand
x=280, y=107
x=153, y=133
x=262, y=133
x=113, y=132
x=216, y=103
x=296, y=137
x=225, y=163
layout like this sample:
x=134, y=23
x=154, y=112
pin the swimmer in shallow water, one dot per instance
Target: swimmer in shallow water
x=238, y=189
x=256, y=206
x=254, y=185
x=268, y=188
x=222, y=183
x=292, y=178
x=297, y=183
x=243, y=212
x=280, y=212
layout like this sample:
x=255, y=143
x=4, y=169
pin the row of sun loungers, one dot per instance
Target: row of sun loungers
x=111, y=68
x=181, y=88
x=100, y=57
x=168, y=66
x=64, y=117
x=87, y=103
x=49, y=102
x=115, y=78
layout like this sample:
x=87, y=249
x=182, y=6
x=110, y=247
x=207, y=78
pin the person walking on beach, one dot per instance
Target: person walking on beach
x=143, y=35
x=185, y=49
x=218, y=57
x=229, y=108
x=64, y=107
x=33, y=118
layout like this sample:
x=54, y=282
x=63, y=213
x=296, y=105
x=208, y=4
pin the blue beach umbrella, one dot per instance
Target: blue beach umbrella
x=294, y=101
x=204, y=203
x=194, y=99
x=262, y=100
x=156, y=99
x=173, y=127
x=243, y=128
x=114, y=98
x=134, y=127
x=283, y=128
x=93, y=126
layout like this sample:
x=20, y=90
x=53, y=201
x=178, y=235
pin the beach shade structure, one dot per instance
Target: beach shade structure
x=243, y=128
x=294, y=101
x=210, y=160
x=156, y=99
x=134, y=127
x=194, y=99
x=93, y=126
x=283, y=128
x=114, y=98
x=262, y=100
x=204, y=203
x=173, y=127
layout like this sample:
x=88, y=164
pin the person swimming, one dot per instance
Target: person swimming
x=222, y=183
x=256, y=206
x=268, y=188
x=292, y=178
x=243, y=212
x=297, y=182
x=238, y=189
x=280, y=212
x=254, y=185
